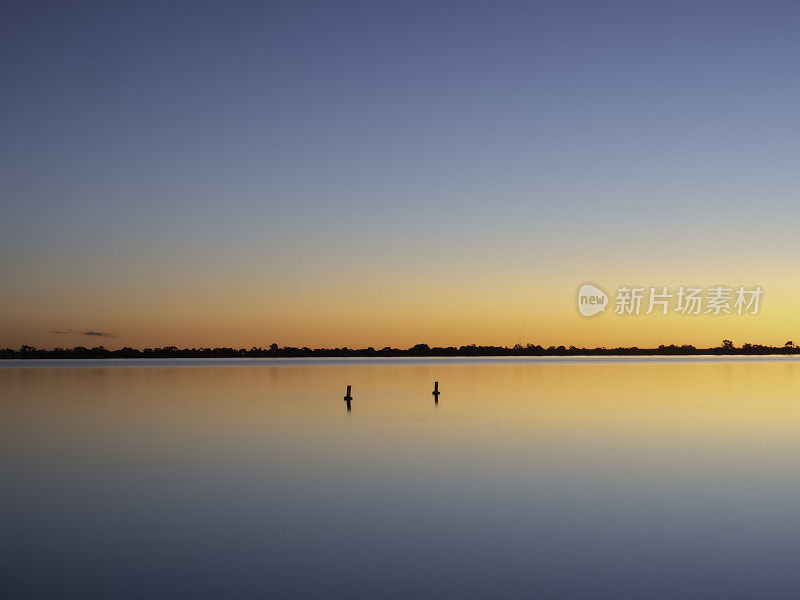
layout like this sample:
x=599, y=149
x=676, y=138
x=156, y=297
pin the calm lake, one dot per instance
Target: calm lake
x=545, y=478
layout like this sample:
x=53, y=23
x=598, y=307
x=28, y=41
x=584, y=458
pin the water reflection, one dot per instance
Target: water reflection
x=613, y=480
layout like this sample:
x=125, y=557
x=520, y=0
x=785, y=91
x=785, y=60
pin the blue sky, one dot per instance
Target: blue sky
x=147, y=142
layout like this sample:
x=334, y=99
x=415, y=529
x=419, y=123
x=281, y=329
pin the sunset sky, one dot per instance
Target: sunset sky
x=389, y=173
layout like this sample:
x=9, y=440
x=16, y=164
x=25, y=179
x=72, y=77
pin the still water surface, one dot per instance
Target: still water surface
x=561, y=478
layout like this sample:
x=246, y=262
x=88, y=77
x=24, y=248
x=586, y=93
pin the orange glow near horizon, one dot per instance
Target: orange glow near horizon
x=393, y=311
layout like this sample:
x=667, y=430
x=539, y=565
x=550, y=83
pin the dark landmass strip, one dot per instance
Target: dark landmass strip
x=274, y=351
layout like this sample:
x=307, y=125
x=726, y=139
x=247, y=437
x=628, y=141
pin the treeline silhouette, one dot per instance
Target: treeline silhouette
x=274, y=351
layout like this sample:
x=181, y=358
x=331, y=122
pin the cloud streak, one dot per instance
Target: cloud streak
x=90, y=333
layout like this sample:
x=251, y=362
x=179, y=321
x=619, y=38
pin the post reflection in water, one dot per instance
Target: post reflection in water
x=651, y=479
x=348, y=398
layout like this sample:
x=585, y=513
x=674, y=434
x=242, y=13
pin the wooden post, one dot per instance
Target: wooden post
x=348, y=397
x=436, y=390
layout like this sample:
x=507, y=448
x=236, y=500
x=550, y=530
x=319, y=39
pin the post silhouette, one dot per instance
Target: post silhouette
x=435, y=392
x=348, y=398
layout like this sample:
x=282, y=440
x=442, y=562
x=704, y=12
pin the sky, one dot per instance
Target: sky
x=390, y=173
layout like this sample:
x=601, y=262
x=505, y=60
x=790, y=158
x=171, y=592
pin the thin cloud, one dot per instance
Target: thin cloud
x=90, y=333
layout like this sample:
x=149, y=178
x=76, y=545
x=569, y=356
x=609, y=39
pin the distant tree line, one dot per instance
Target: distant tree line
x=274, y=351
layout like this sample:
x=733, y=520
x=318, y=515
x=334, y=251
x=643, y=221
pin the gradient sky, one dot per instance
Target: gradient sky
x=344, y=173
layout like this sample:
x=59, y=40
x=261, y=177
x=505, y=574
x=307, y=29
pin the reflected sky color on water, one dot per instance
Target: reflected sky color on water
x=564, y=478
